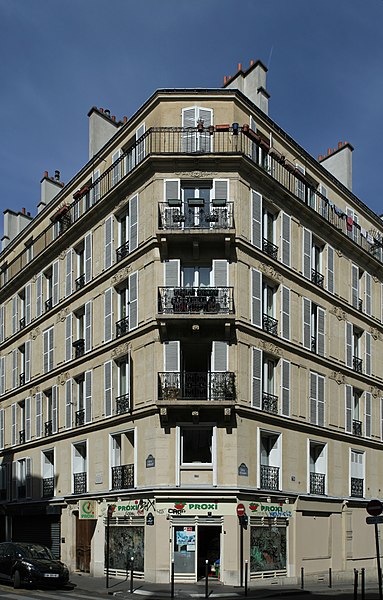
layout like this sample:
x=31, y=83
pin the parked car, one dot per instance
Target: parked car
x=27, y=563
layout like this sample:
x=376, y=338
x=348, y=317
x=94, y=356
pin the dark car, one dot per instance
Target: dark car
x=26, y=563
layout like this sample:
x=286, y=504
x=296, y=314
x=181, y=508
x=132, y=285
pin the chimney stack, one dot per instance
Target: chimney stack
x=102, y=128
x=50, y=187
x=252, y=83
x=338, y=161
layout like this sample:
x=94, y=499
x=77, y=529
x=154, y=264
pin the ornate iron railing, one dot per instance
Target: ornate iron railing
x=357, y=427
x=122, y=251
x=48, y=427
x=48, y=487
x=313, y=344
x=269, y=477
x=357, y=364
x=22, y=323
x=22, y=436
x=79, y=417
x=79, y=348
x=122, y=404
x=187, y=385
x=356, y=487
x=204, y=300
x=269, y=403
x=317, y=483
x=269, y=324
x=218, y=217
x=22, y=378
x=122, y=327
x=80, y=281
x=122, y=477
x=48, y=304
x=79, y=483
x=269, y=248
x=317, y=278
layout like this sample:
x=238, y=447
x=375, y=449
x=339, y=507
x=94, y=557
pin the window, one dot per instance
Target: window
x=318, y=467
x=82, y=325
x=193, y=140
x=21, y=309
x=23, y=358
x=314, y=320
x=48, y=349
x=123, y=373
x=263, y=225
x=49, y=411
x=79, y=468
x=354, y=338
x=356, y=286
x=357, y=474
x=264, y=384
x=270, y=462
x=4, y=481
x=196, y=445
x=358, y=408
x=48, y=472
x=21, y=422
x=353, y=229
x=116, y=171
x=122, y=460
x=264, y=294
x=108, y=242
x=22, y=478
x=79, y=266
x=312, y=267
x=317, y=399
x=127, y=307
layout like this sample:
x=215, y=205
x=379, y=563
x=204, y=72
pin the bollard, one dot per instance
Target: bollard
x=172, y=580
x=355, y=584
x=131, y=574
x=330, y=578
x=206, y=578
x=246, y=571
x=302, y=578
x=363, y=582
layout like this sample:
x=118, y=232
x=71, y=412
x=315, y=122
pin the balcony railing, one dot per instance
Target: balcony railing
x=22, y=323
x=79, y=483
x=204, y=300
x=22, y=436
x=269, y=403
x=317, y=278
x=79, y=348
x=185, y=217
x=122, y=404
x=313, y=344
x=357, y=364
x=48, y=304
x=187, y=385
x=270, y=248
x=360, y=304
x=48, y=428
x=80, y=282
x=22, y=379
x=21, y=491
x=357, y=427
x=317, y=483
x=122, y=327
x=356, y=487
x=48, y=487
x=80, y=417
x=122, y=251
x=122, y=477
x=269, y=324
x=269, y=477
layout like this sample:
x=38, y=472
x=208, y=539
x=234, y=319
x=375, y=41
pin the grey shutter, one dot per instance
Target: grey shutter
x=68, y=404
x=256, y=222
x=88, y=257
x=348, y=424
x=330, y=270
x=141, y=145
x=108, y=233
x=88, y=396
x=108, y=314
x=2, y=375
x=285, y=238
x=39, y=295
x=320, y=399
x=355, y=286
x=27, y=361
x=108, y=391
x=220, y=273
x=285, y=313
x=88, y=326
x=2, y=430
x=15, y=369
x=257, y=378
x=307, y=323
x=172, y=273
x=285, y=388
x=172, y=356
x=367, y=414
x=349, y=345
x=14, y=424
x=368, y=294
x=28, y=301
x=219, y=356
x=69, y=272
x=14, y=479
x=55, y=391
x=307, y=249
x=39, y=414
x=15, y=315
x=48, y=350
x=55, y=283
x=133, y=300
x=367, y=337
x=133, y=223
x=381, y=418
x=2, y=324
x=256, y=302
x=68, y=337
x=172, y=189
x=28, y=432
x=221, y=189
x=28, y=477
x=321, y=316
x=313, y=398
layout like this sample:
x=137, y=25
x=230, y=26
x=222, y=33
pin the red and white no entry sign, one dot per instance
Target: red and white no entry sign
x=240, y=510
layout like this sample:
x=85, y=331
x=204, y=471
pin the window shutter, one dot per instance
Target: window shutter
x=368, y=294
x=367, y=337
x=69, y=272
x=172, y=273
x=108, y=314
x=28, y=477
x=172, y=189
x=28, y=300
x=39, y=414
x=14, y=424
x=27, y=419
x=285, y=239
x=256, y=223
x=116, y=171
x=2, y=431
x=221, y=189
x=348, y=424
x=285, y=313
x=133, y=300
x=189, y=120
x=381, y=418
x=68, y=337
x=257, y=378
x=2, y=375
x=39, y=295
x=2, y=324
x=108, y=391
x=285, y=388
x=88, y=326
x=313, y=398
x=141, y=145
x=48, y=350
x=55, y=390
x=220, y=273
x=256, y=303
x=330, y=270
x=307, y=248
x=367, y=414
x=321, y=405
x=27, y=364
x=307, y=323
x=172, y=356
x=15, y=368
x=108, y=232
x=88, y=396
x=15, y=316
x=355, y=286
x=321, y=315
x=88, y=257
x=68, y=404
x=219, y=356
x=349, y=344
x=133, y=223
x=55, y=283
x=14, y=479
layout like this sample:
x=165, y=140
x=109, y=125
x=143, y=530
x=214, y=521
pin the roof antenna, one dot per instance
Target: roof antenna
x=270, y=55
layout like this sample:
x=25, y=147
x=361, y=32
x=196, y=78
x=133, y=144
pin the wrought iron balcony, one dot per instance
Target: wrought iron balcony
x=357, y=427
x=122, y=327
x=317, y=483
x=269, y=403
x=212, y=217
x=269, y=478
x=357, y=364
x=79, y=483
x=357, y=487
x=48, y=304
x=79, y=348
x=80, y=417
x=48, y=427
x=48, y=487
x=22, y=378
x=201, y=300
x=122, y=404
x=22, y=323
x=122, y=252
x=313, y=344
x=22, y=436
x=270, y=248
x=3, y=494
x=187, y=385
x=360, y=304
x=317, y=278
x=21, y=491
x=269, y=324
x=122, y=477
x=80, y=282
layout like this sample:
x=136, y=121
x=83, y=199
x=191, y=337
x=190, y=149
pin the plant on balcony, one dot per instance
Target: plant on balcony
x=171, y=393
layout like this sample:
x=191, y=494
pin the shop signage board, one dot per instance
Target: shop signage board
x=205, y=507
x=87, y=509
x=374, y=520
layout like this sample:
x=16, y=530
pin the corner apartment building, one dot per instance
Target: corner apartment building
x=193, y=322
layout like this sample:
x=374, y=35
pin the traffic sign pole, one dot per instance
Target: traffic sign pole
x=378, y=561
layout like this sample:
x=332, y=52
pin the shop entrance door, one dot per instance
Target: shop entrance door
x=208, y=548
x=84, y=533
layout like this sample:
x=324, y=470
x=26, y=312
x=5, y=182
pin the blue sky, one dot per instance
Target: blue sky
x=60, y=58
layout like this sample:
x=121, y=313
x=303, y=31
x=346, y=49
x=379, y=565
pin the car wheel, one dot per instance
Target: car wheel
x=16, y=580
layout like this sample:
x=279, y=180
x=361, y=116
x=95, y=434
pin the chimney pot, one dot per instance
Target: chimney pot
x=101, y=110
x=125, y=119
x=113, y=118
x=57, y=175
x=107, y=112
x=340, y=144
x=239, y=66
x=45, y=174
x=23, y=210
x=28, y=214
x=329, y=151
x=251, y=62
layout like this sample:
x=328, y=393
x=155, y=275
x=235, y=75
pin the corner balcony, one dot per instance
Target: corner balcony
x=175, y=387
x=186, y=301
x=177, y=216
x=122, y=477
